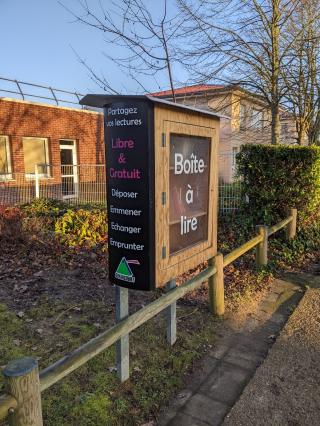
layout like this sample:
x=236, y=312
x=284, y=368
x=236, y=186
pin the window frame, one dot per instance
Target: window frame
x=41, y=175
x=284, y=129
x=234, y=151
x=256, y=118
x=72, y=147
x=7, y=176
x=243, y=115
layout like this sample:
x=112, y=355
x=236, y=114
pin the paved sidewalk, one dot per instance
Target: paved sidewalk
x=214, y=390
x=285, y=390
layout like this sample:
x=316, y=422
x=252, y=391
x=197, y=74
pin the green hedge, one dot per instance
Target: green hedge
x=278, y=177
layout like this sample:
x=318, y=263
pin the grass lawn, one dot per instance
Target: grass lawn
x=92, y=395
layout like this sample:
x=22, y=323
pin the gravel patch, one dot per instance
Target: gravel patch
x=285, y=389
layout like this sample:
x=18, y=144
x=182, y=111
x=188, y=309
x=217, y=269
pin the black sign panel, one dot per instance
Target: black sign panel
x=130, y=187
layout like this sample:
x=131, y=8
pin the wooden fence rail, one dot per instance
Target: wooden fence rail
x=17, y=402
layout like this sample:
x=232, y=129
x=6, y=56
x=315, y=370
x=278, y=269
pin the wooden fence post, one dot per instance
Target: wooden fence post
x=216, y=286
x=262, y=248
x=122, y=345
x=291, y=228
x=22, y=380
x=171, y=314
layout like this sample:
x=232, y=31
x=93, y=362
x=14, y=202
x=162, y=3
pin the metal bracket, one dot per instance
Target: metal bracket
x=171, y=312
x=163, y=140
x=122, y=345
x=164, y=198
x=164, y=252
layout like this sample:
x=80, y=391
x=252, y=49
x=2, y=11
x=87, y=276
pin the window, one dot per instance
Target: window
x=5, y=161
x=257, y=119
x=284, y=129
x=67, y=142
x=35, y=151
x=243, y=116
x=189, y=191
x=235, y=151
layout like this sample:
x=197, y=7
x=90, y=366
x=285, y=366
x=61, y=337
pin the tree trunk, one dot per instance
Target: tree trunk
x=314, y=136
x=301, y=134
x=275, y=125
x=314, y=129
x=275, y=71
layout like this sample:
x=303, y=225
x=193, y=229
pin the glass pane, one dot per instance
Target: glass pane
x=189, y=191
x=3, y=155
x=66, y=142
x=242, y=116
x=66, y=156
x=34, y=150
x=256, y=118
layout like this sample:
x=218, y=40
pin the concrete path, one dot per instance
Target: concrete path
x=285, y=390
x=214, y=389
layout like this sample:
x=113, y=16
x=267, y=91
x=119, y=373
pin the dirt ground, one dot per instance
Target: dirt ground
x=29, y=273
x=32, y=273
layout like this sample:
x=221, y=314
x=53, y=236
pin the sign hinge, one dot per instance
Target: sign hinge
x=164, y=252
x=163, y=140
x=164, y=198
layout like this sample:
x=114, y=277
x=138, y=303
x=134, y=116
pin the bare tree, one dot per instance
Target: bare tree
x=241, y=42
x=302, y=78
x=146, y=38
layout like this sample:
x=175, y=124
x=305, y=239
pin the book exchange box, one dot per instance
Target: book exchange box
x=162, y=188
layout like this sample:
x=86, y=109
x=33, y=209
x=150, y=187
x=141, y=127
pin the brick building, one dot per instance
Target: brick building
x=60, y=146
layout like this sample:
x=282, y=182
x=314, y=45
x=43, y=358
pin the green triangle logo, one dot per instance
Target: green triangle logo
x=124, y=272
x=124, y=268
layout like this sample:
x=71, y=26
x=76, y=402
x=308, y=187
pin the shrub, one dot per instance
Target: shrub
x=82, y=228
x=306, y=246
x=10, y=222
x=44, y=207
x=278, y=177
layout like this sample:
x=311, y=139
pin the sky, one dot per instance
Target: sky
x=37, y=42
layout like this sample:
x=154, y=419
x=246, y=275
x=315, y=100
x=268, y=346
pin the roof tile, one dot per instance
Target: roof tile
x=189, y=89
